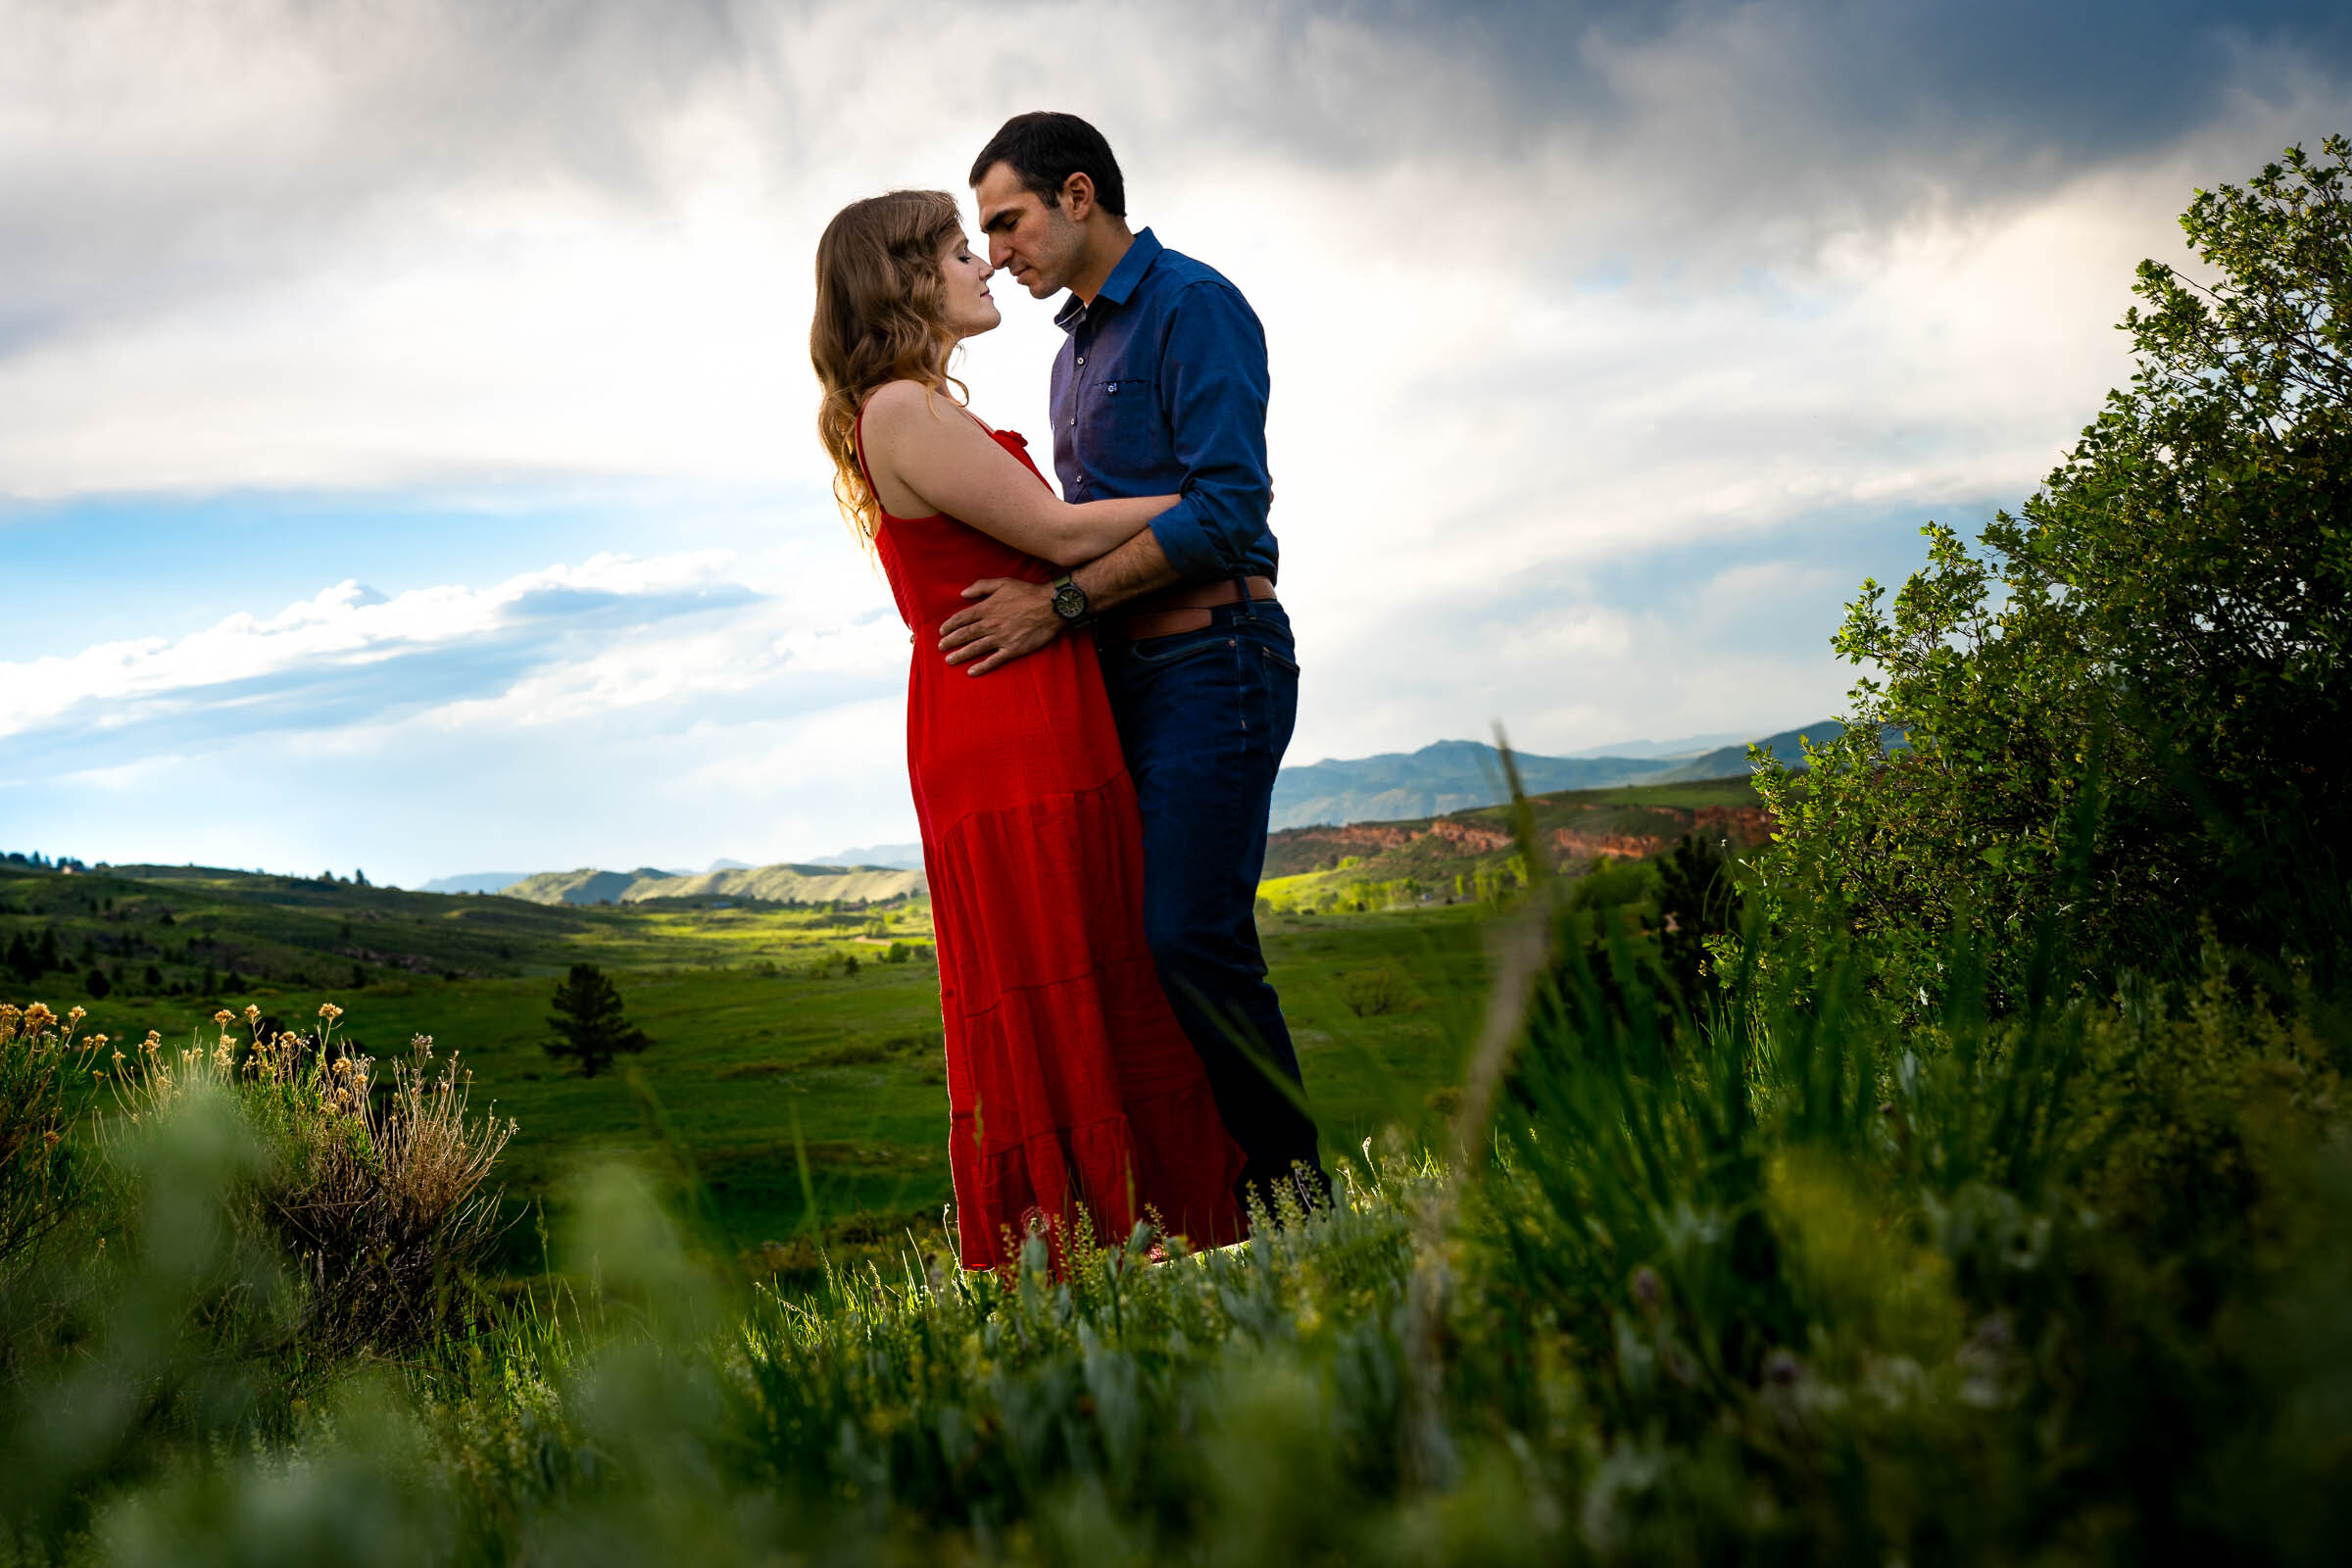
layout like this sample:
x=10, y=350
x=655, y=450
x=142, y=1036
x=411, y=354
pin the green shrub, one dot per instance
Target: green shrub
x=2155, y=644
x=1377, y=990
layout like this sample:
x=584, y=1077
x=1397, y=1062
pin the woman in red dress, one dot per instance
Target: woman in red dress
x=1070, y=1087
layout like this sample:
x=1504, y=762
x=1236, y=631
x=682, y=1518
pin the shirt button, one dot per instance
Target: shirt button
x=1081, y=359
x=1073, y=419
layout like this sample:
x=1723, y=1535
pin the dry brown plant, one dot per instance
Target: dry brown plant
x=379, y=1191
x=38, y=1058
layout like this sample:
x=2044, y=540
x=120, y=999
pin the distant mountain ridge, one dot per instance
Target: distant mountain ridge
x=1731, y=762
x=1677, y=748
x=1443, y=777
x=901, y=856
x=785, y=883
x=473, y=882
x=1458, y=775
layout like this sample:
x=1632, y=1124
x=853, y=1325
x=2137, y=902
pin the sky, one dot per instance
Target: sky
x=407, y=453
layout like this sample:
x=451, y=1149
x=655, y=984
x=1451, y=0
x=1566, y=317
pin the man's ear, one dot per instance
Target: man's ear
x=1078, y=197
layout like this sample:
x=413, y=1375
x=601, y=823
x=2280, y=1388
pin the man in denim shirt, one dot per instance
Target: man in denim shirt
x=1160, y=389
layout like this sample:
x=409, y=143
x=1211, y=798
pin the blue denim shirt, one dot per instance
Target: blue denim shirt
x=1160, y=389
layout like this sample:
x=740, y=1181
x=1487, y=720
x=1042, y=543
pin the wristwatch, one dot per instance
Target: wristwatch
x=1069, y=601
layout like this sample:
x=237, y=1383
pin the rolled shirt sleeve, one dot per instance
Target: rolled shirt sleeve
x=1213, y=390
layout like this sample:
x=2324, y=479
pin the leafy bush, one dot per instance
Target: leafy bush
x=1375, y=991
x=2156, y=642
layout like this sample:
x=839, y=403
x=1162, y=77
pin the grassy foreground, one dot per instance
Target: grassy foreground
x=1795, y=1279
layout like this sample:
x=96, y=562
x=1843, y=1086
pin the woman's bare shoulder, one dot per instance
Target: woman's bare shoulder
x=895, y=404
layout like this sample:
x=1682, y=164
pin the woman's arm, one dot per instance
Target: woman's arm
x=926, y=449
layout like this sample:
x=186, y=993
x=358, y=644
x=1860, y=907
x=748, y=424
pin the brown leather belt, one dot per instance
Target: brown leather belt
x=1163, y=615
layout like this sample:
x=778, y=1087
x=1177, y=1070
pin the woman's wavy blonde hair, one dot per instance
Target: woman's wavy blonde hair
x=880, y=318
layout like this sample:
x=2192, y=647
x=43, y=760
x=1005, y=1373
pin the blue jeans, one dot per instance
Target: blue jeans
x=1203, y=718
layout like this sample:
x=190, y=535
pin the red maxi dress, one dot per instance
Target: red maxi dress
x=1070, y=1085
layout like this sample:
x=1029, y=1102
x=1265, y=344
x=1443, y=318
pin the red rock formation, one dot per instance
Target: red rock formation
x=1474, y=837
x=1575, y=845
x=1742, y=824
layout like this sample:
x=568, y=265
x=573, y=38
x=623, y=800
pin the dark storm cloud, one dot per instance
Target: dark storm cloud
x=165, y=149
x=2084, y=80
x=1701, y=123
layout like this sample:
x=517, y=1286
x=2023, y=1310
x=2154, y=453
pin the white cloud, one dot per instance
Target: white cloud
x=345, y=628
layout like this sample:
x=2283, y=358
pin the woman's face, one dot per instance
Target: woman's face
x=971, y=311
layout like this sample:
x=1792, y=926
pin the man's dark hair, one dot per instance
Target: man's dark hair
x=1045, y=149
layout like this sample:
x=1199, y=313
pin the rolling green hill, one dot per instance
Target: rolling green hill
x=781, y=1030
x=1446, y=776
x=776, y=1032
x=1452, y=776
x=767, y=884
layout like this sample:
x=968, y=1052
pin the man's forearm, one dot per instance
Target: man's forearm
x=1136, y=569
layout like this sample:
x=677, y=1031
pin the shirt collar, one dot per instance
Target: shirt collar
x=1141, y=254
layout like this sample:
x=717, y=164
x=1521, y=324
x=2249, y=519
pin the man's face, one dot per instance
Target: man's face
x=1039, y=245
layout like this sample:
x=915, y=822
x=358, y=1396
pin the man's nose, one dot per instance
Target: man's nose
x=999, y=250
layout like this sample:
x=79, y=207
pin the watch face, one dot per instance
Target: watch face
x=1069, y=601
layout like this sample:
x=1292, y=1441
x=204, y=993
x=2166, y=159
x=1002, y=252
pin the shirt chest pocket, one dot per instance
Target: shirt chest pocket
x=1124, y=431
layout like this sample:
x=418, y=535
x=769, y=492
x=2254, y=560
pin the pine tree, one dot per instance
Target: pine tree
x=47, y=953
x=588, y=1023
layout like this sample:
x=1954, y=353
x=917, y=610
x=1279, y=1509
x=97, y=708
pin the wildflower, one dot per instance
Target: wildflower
x=329, y=1012
x=253, y=1012
x=224, y=1017
x=76, y=1015
x=39, y=1017
x=1647, y=1289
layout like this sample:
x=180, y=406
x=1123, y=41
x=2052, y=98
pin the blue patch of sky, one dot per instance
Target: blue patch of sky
x=114, y=567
